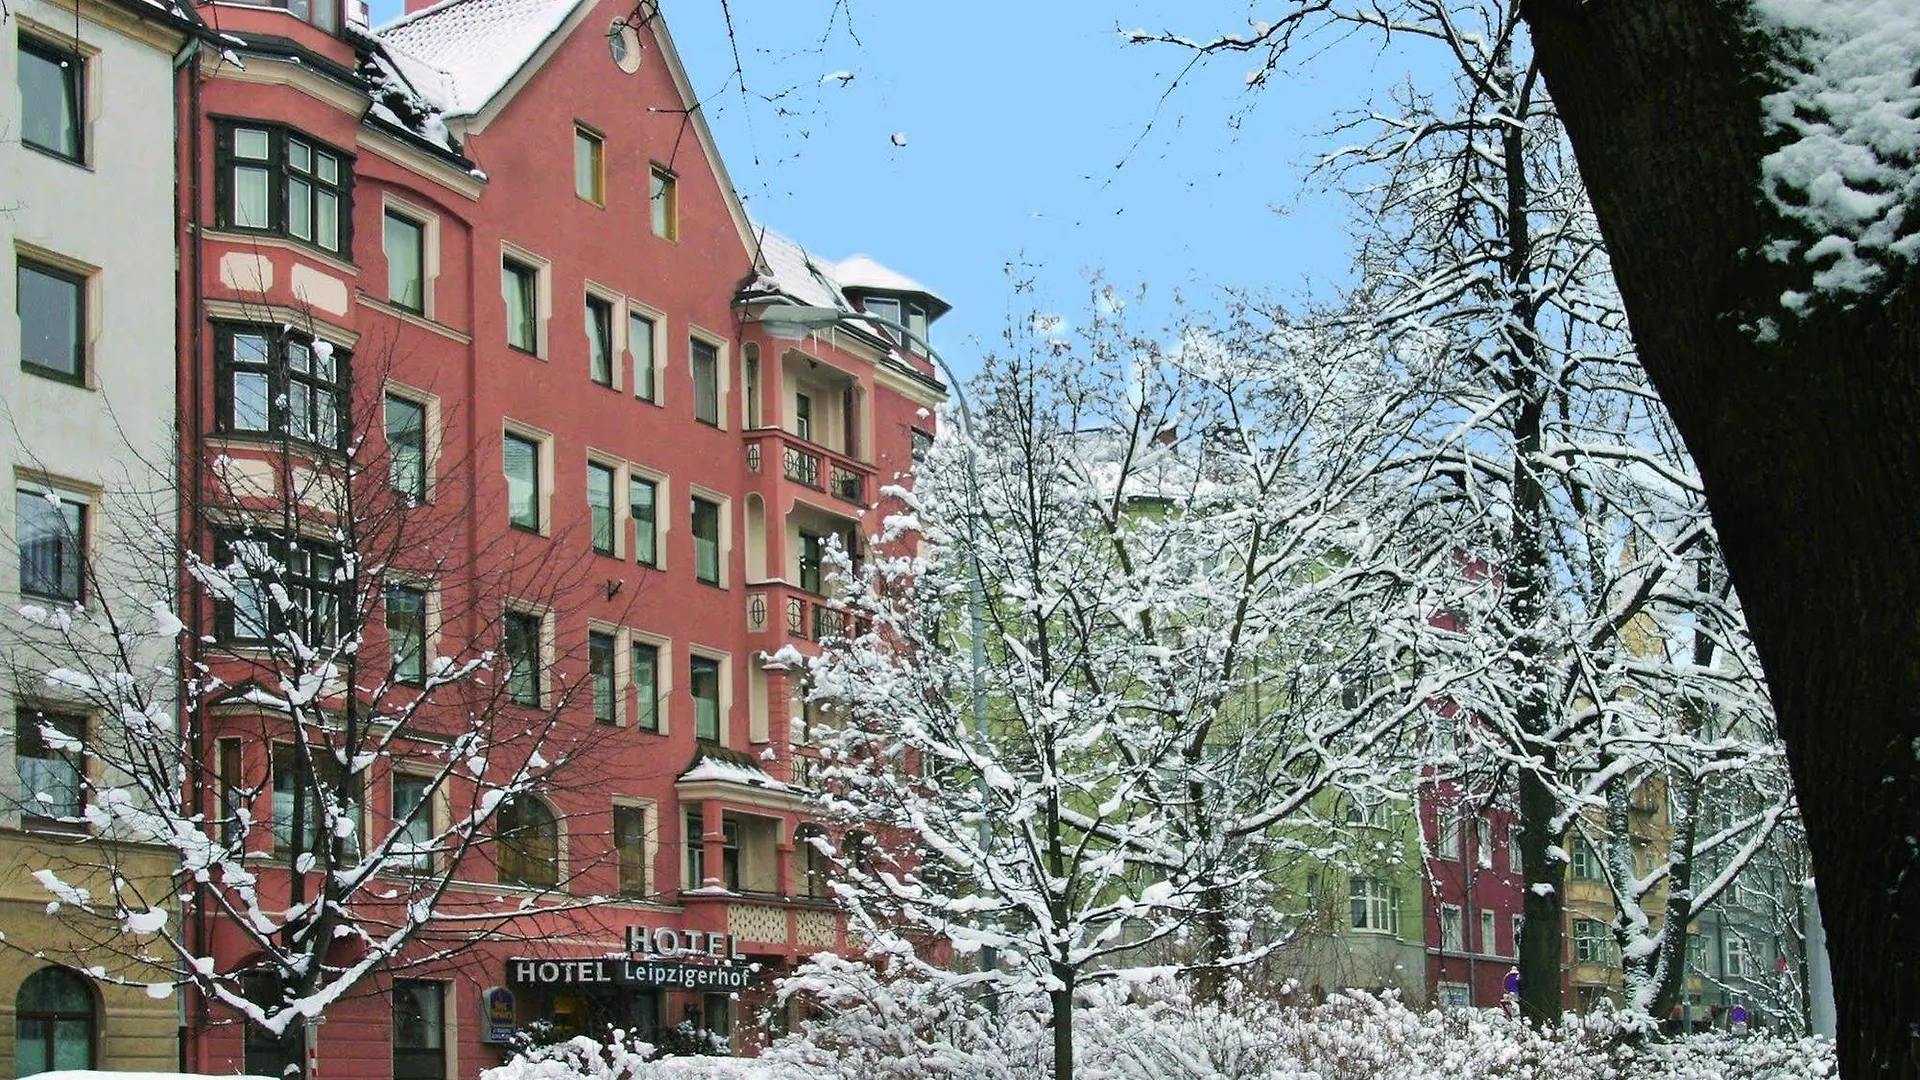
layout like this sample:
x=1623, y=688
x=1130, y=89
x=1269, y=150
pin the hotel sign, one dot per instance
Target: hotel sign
x=642, y=973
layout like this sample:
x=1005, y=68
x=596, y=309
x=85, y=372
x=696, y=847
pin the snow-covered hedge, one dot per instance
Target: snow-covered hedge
x=872, y=1029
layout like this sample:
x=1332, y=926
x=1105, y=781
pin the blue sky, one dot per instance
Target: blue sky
x=1015, y=116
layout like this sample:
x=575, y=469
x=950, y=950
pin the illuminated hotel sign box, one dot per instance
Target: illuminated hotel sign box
x=656, y=952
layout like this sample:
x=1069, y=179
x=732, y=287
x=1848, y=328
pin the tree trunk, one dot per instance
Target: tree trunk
x=1062, y=1000
x=1809, y=446
x=1544, y=905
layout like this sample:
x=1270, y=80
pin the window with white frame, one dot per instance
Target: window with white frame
x=1592, y=943
x=1739, y=956
x=1452, y=929
x=1489, y=943
x=1447, y=846
x=1374, y=904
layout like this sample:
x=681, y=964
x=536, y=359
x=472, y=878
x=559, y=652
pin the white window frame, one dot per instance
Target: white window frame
x=1453, y=929
x=549, y=650
x=1489, y=933
x=542, y=295
x=664, y=683
x=430, y=404
x=632, y=306
x=543, y=472
x=429, y=223
x=1449, y=834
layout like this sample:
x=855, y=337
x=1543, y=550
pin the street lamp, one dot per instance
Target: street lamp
x=826, y=318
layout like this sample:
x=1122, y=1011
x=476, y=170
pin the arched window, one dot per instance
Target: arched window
x=54, y=1017
x=529, y=843
x=815, y=864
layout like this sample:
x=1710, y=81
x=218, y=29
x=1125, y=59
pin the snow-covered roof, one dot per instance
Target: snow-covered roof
x=862, y=272
x=730, y=767
x=461, y=53
x=793, y=271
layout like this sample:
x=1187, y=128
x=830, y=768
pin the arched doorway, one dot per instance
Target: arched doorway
x=55, y=1016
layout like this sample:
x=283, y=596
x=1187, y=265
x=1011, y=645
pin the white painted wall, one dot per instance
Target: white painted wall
x=112, y=438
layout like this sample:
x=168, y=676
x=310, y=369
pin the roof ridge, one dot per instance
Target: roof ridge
x=413, y=16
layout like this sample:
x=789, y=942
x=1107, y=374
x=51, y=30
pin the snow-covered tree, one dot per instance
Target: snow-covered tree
x=317, y=703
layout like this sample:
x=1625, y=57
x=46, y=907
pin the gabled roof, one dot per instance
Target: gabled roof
x=460, y=54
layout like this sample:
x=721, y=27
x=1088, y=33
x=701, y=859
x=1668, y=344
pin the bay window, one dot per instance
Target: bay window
x=275, y=180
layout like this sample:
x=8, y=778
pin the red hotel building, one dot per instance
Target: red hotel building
x=510, y=222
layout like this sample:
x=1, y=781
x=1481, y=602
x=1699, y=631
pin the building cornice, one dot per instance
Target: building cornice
x=386, y=145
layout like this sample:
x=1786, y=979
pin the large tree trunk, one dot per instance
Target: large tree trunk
x=1809, y=447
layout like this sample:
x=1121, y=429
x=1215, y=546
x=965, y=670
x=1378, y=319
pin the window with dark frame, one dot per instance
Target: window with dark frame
x=589, y=161
x=525, y=674
x=812, y=550
x=519, y=288
x=704, y=681
x=406, y=614
x=267, y=1054
x=706, y=541
x=279, y=181
x=233, y=790
x=600, y=671
x=521, y=462
x=803, y=416
x=50, y=532
x=405, y=242
x=529, y=843
x=600, y=520
x=645, y=658
x=705, y=360
x=49, y=759
x=696, y=845
x=640, y=345
x=52, y=99
x=917, y=330
x=307, y=574
x=52, y=306
x=413, y=821
x=641, y=499
x=887, y=308
x=630, y=845
x=321, y=13
x=600, y=340
x=406, y=422
x=275, y=383
x=419, y=1030
x=55, y=1022
x=730, y=854
x=663, y=201
x=298, y=787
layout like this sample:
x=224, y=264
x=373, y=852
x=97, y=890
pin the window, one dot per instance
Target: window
x=630, y=845
x=922, y=445
x=917, y=328
x=529, y=843
x=525, y=678
x=646, y=686
x=1483, y=843
x=318, y=12
x=600, y=340
x=1452, y=930
x=275, y=383
x=810, y=560
x=706, y=541
x=814, y=863
x=299, y=787
x=419, y=1030
x=589, y=177
x=268, y=1054
x=1586, y=861
x=51, y=533
x=803, y=416
x=1739, y=957
x=696, y=845
x=279, y=586
x=54, y=1021
x=1513, y=847
x=1519, y=923
x=407, y=633
x=405, y=242
x=522, y=465
x=51, y=106
x=413, y=821
x=1489, y=942
x=1375, y=904
x=887, y=309
x=664, y=203
x=49, y=757
x=233, y=792
x=730, y=854
x=641, y=494
x=704, y=679
x=600, y=506
x=1455, y=995
x=719, y=1015
x=52, y=305
x=1448, y=845
x=706, y=381
x=281, y=182
x=1590, y=942
x=857, y=849
x=519, y=287
x=407, y=448
x=1362, y=813
x=600, y=671
x=640, y=345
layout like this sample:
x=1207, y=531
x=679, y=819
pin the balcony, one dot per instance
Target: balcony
x=796, y=613
x=810, y=465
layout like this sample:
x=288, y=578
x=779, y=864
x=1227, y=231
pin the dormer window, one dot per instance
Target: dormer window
x=887, y=308
x=900, y=313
